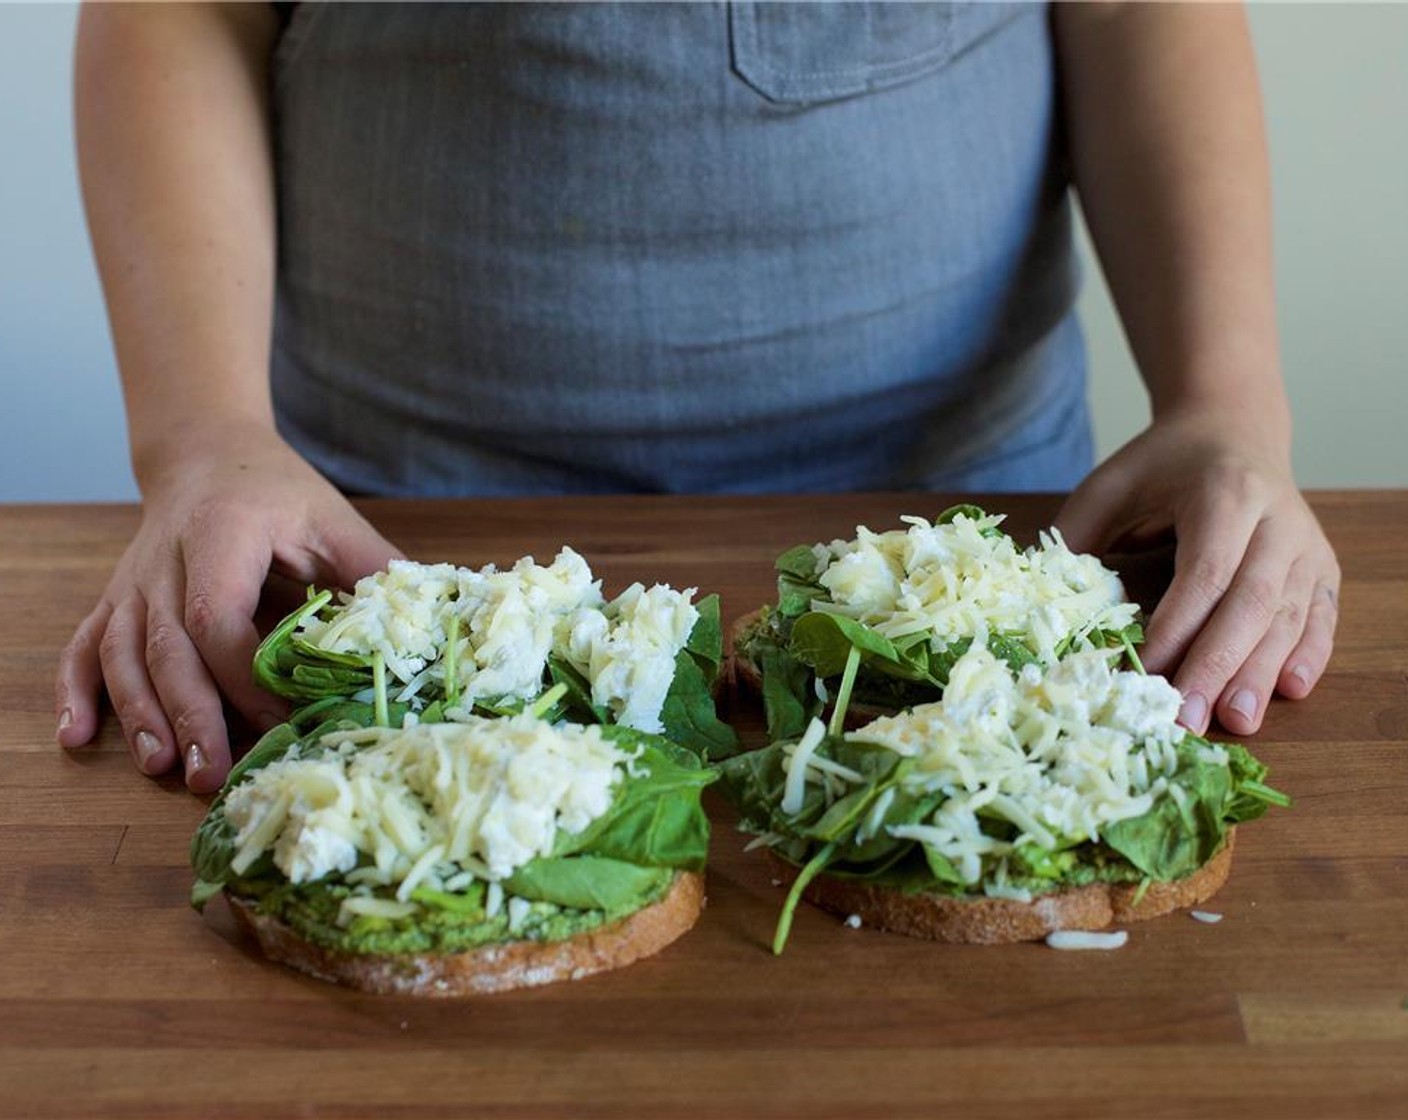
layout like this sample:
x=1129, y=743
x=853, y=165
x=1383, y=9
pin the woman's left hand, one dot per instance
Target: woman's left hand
x=1252, y=606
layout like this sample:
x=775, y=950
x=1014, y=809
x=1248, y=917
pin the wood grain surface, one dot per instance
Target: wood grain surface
x=116, y=999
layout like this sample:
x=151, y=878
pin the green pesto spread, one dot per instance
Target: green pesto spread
x=312, y=909
x=1074, y=867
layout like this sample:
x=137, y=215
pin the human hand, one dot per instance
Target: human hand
x=174, y=629
x=1253, y=602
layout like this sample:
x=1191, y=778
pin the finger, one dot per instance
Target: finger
x=122, y=654
x=187, y=693
x=225, y=569
x=1243, y=702
x=1306, y=663
x=79, y=684
x=1240, y=622
x=348, y=547
x=1087, y=514
x=1213, y=537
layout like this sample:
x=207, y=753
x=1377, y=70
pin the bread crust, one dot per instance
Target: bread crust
x=1001, y=921
x=743, y=672
x=489, y=968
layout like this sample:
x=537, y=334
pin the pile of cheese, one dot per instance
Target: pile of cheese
x=1058, y=752
x=955, y=582
x=436, y=805
x=507, y=624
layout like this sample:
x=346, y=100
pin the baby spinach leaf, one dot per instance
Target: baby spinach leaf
x=1177, y=836
x=706, y=639
x=267, y=672
x=752, y=783
x=689, y=716
x=657, y=819
x=797, y=588
x=940, y=866
x=587, y=882
x=578, y=703
x=1011, y=649
x=824, y=641
x=789, y=700
x=1251, y=797
x=964, y=509
x=203, y=891
x=800, y=562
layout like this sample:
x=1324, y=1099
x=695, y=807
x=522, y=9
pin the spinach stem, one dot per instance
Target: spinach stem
x=813, y=868
x=1133, y=656
x=1266, y=793
x=1143, y=889
x=544, y=703
x=383, y=711
x=843, y=695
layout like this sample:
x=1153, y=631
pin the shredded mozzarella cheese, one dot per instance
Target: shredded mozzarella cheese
x=956, y=582
x=796, y=765
x=1059, y=753
x=433, y=803
x=628, y=649
x=507, y=624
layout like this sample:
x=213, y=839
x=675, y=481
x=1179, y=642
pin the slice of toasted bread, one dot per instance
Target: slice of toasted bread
x=998, y=921
x=490, y=968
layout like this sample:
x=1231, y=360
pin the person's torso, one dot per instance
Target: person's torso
x=675, y=247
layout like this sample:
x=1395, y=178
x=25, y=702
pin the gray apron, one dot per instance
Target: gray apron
x=738, y=247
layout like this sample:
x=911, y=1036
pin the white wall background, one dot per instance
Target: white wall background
x=61, y=429
x=1336, y=88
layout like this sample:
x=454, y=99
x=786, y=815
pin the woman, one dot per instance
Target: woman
x=523, y=249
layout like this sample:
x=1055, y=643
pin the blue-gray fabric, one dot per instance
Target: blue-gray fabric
x=676, y=248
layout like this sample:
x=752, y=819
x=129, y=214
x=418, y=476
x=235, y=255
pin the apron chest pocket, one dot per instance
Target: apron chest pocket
x=795, y=53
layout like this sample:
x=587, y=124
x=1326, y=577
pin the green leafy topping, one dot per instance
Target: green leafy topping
x=802, y=643
x=293, y=668
x=654, y=828
x=848, y=833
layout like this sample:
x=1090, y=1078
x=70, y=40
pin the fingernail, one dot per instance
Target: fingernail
x=1243, y=702
x=1301, y=674
x=1194, y=713
x=147, y=746
x=195, y=759
x=65, y=721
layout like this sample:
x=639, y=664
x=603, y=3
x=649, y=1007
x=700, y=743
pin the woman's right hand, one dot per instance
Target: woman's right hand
x=174, y=630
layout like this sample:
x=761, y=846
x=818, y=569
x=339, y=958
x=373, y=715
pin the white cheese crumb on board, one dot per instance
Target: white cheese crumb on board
x=1086, y=939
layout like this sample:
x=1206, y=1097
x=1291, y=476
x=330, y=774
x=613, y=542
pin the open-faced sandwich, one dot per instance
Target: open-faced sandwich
x=909, y=602
x=452, y=853
x=493, y=642
x=1054, y=799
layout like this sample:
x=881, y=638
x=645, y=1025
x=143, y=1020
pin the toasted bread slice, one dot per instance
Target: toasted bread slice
x=490, y=968
x=999, y=921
